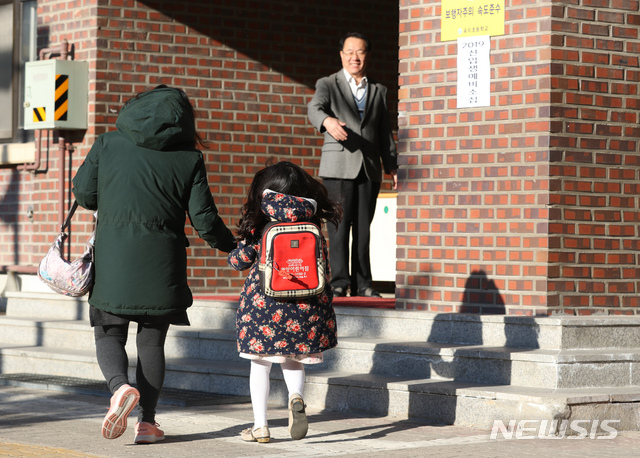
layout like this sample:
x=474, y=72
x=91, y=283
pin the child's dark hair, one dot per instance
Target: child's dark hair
x=287, y=178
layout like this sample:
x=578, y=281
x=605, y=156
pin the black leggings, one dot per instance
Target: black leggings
x=150, y=368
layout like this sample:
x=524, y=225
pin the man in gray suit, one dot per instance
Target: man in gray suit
x=350, y=109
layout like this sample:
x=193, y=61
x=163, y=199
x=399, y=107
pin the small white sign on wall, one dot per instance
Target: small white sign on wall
x=474, y=72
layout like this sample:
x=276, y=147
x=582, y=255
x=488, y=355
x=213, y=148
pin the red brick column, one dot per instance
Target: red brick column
x=528, y=206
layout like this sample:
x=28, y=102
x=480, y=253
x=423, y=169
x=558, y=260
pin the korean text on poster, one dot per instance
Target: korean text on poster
x=474, y=72
x=467, y=18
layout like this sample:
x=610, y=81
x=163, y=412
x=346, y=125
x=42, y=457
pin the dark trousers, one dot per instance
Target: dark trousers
x=114, y=363
x=358, y=198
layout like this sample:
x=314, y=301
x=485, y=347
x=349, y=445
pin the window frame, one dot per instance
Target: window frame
x=18, y=134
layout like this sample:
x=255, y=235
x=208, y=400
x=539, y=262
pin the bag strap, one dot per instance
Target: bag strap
x=67, y=221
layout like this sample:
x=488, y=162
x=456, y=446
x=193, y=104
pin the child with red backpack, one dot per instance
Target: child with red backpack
x=292, y=328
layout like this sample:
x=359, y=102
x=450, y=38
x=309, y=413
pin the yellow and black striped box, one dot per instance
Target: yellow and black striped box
x=56, y=94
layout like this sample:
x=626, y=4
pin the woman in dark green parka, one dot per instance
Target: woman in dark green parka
x=143, y=178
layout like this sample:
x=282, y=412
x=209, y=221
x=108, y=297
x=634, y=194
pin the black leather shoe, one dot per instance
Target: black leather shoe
x=368, y=292
x=339, y=291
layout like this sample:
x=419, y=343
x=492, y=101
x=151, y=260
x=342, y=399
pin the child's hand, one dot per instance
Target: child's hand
x=242, y=257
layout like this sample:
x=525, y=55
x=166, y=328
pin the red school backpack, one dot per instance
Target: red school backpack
x=292, y=260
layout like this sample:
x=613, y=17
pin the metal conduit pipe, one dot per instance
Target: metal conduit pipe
x=63, y=50
x=64, y=53
x=35, y=165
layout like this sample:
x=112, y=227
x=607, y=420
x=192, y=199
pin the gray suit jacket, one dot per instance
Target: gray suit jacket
x=368, y=141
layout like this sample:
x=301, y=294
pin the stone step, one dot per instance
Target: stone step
x=181, y=341
x=46, y=306
x=422, y=360
x=168, y=396
x=217, y=314
x=474, y=404
x=544, y=333
x=184, y=373
x=448, y=402
x=461, y=369
x=493, y=365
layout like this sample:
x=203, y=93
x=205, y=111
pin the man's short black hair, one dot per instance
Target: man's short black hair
x=367, y=42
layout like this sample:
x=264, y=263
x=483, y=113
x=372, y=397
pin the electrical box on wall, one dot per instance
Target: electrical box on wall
x=56, y=94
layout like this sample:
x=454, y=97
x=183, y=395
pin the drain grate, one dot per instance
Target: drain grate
x=168, y=396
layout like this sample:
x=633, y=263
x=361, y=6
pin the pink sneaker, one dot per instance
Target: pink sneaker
x=122, y=403
x=148, y=433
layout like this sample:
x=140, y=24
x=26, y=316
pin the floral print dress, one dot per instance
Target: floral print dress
x=275, y=330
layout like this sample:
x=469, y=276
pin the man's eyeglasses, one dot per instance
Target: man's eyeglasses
x=354, y=53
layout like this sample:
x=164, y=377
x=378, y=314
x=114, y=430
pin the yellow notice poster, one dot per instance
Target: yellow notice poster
x=470, y=18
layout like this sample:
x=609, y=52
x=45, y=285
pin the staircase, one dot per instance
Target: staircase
x=443, y=368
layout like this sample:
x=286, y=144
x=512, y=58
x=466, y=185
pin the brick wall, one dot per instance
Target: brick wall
x=528, y=206
x=595, y=160
x=25, y=240
x=250, y=69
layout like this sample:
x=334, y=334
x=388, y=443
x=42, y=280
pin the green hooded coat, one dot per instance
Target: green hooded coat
x=142, y=178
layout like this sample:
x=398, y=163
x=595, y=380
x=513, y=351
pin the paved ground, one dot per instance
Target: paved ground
x=48, y=423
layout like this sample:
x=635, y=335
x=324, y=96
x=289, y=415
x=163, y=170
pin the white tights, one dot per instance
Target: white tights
x=293, y=373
